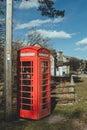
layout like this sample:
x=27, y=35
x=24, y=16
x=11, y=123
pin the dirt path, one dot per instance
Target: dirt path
x=54, y=119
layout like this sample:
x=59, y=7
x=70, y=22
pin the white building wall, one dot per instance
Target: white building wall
x=62, y=70
x=52, y=65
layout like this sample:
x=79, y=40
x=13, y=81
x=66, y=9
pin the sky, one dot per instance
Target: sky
x=68, y=34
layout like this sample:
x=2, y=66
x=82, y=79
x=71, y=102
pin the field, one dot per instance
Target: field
x=63, y=117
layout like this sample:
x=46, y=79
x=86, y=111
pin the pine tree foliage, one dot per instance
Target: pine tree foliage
x=47, y=9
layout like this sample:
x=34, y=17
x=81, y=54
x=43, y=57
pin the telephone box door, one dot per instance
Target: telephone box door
x=27, y=108
x=44, y=87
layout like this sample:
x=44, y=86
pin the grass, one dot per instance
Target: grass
x=81, y=100
x=74, y=115
x=33, y=125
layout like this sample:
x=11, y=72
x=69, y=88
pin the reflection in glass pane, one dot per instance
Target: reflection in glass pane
x=26, y=82
x=25, y=107
x=27, y=95
x=26, y=63
x=44, y=100
x=26, y=101
x=44, y=106
x=27, y=88
x=44, y=88
x=44, y=94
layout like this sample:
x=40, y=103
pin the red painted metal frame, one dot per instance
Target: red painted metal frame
x=34, y=102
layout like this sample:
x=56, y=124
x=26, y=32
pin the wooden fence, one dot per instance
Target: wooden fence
x=60, y=94
x=63, y=93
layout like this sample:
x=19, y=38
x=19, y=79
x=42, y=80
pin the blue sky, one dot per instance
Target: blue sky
x=68, y=33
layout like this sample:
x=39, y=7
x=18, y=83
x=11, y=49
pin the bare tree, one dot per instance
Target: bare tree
x=35, y=37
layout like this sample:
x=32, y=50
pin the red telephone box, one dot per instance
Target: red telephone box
x=34, y=82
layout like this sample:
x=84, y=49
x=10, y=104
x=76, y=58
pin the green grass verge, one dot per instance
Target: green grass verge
x=80, y=106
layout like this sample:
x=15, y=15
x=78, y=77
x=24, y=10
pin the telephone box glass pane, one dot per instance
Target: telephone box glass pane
x=44, y=83
x=26, y=85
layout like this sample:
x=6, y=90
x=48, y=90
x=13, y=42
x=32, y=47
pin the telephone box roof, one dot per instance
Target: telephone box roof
x=36, y=48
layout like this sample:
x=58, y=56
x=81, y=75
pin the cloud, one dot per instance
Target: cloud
x=37, y=22
x=81, y=48
x=57, y=20
x=32, y=23
x=53, y=34
x=28, y=4
x=82, y=42
x=77, y=49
